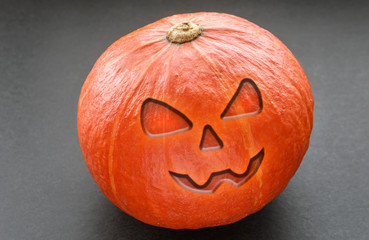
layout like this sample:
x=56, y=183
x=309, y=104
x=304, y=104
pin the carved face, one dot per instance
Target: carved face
x=161, y=120
x=191, y=133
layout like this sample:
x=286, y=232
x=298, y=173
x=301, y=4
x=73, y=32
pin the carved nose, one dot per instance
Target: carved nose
x=210, y=140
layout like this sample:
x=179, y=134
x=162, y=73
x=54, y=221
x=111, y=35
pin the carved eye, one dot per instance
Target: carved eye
x=245, y=102
x=158, y=119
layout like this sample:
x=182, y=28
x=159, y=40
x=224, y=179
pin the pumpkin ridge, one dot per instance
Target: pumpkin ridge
x=292, y=82
x=165, y=83
x=231, y=43
x=211, y=66
x=119, y=115
x=223, y=81
x=97, y=63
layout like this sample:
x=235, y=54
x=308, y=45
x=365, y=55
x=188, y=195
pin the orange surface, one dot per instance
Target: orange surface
x=198, y=79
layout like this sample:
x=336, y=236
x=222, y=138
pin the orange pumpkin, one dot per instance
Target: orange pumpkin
x=195, y=120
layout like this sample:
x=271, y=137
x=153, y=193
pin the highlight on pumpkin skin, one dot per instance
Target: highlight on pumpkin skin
x=246, y=101
x=159, y=119
x=218, y=178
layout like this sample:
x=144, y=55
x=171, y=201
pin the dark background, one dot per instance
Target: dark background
x=47, y=48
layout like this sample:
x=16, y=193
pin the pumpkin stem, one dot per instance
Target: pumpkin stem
x=184, y=32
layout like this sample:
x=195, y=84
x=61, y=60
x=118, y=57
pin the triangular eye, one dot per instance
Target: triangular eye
x=245, y=102
x=158, y=119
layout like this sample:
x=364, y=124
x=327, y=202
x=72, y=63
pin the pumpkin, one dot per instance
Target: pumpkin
x=195, y=120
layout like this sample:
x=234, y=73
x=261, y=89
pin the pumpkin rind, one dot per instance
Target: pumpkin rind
x=198, y=78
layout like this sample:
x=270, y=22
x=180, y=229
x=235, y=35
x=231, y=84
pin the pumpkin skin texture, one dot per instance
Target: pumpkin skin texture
x=151, y=110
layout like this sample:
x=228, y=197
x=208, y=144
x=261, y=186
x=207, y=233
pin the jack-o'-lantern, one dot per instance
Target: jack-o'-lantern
x=195, y=120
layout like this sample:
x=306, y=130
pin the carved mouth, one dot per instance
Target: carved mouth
x=217, y=178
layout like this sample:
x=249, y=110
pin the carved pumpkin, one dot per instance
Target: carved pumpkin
x=195, y=120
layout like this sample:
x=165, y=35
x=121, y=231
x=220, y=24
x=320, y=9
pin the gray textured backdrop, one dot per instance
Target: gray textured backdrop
x=47, y=49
